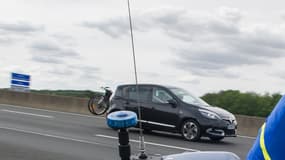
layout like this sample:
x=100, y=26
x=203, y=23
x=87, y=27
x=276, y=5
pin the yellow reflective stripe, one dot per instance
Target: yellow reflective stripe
x=262, y=143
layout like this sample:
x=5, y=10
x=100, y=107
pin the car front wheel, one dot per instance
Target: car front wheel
x=190, y=130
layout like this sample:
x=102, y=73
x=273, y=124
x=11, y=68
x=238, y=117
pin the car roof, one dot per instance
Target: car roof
x=142, y=84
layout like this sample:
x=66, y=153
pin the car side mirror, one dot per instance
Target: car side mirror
x=173, y=103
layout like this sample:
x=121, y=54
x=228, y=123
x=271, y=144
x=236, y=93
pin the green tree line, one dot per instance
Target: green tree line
x=248, y=103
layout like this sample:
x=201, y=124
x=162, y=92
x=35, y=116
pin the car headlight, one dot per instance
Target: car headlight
x=209, y=114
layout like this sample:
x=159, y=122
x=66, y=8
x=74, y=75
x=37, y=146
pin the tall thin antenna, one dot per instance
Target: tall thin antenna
x=142, y=154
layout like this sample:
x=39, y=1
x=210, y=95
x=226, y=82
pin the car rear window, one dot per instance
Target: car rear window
x=119, y=92
x=144, y=93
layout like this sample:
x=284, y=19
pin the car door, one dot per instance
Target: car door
x=131, y=104
x=162, y=114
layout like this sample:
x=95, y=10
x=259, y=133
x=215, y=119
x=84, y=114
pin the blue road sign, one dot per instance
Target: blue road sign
x=22, y=77
x=20, y=83
x=20, y=87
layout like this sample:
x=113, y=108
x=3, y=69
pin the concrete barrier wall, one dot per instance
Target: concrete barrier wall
x=57, y=103
x=247, y=126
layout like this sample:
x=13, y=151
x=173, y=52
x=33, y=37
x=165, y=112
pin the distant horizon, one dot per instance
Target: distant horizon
x=270, y=93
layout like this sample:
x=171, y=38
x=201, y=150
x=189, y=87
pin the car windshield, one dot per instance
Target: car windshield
x=188, y=97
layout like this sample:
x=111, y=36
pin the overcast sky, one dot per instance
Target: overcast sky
x=202, y=46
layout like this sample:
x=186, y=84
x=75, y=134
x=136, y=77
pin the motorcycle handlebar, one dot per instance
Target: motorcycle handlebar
x=105, y=88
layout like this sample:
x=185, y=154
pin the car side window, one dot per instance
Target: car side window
x=144, y=93
x=119, y=92
x=160, y=96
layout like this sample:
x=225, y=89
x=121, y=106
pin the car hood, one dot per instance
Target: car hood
x=224, y=114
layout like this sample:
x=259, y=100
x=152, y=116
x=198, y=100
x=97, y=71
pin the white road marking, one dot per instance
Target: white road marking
x=66, y=113
x=151, y=143
x=50, y=135
x=246, y=137
x=26, y=113
x=82, y=115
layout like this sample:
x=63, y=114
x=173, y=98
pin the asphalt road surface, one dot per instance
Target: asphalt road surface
x=34, y=134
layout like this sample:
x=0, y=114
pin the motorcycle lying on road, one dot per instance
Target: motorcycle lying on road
x=99, y=106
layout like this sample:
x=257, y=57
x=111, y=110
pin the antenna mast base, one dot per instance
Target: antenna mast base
x=151, y=157
x=142, y=156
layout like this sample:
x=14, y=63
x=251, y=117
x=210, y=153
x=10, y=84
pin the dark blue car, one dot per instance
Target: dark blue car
x=173, y=109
